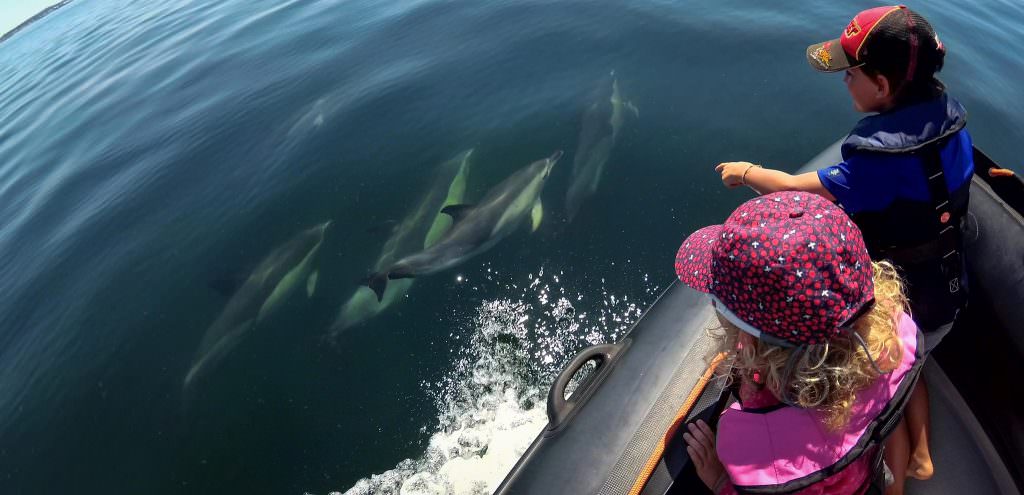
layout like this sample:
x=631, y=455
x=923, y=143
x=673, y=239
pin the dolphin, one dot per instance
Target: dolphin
x=420, y=230
x=477, y=228
x=311, y=119
x=276, y=277
x=602, y=121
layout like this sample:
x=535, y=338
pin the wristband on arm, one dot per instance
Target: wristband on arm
x=743, y=178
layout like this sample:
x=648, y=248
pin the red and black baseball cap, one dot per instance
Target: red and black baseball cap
x=882, y=37
x=789, y=268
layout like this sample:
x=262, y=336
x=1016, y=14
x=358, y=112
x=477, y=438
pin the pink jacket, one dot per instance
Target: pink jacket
x=791, y=448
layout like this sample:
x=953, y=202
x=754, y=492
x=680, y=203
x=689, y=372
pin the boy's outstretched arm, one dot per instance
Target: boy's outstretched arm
x=766, y=180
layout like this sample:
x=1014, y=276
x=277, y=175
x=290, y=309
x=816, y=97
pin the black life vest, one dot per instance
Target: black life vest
x=923, y=238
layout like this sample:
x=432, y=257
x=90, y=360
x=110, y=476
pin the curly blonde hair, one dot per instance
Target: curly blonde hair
x=827, y=376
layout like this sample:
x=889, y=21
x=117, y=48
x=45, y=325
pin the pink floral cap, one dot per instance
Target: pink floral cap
x=787, y=266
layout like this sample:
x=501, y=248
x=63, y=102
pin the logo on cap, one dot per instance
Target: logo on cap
x=822, y=55
x=853, y=29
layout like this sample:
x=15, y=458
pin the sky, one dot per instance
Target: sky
x=14, y=12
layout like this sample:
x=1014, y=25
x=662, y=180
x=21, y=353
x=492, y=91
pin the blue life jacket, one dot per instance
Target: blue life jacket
x=905, y=180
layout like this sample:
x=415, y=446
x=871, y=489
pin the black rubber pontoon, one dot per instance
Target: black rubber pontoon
x=605, y=439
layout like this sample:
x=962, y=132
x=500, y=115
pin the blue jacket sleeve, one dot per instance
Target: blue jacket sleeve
x=859, y=183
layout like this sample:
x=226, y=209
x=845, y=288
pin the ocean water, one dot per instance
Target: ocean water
x=149, y=149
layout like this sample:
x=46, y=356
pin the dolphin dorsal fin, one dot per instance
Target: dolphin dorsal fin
x=378, y=282
x=457, y=212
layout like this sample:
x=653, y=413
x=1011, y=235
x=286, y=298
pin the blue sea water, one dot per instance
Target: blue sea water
x=150, y=147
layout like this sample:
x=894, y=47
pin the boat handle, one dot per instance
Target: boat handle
x=559, y=409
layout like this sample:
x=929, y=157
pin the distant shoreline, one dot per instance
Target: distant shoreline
x=43, y=13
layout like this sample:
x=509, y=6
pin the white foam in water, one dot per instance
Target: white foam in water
x=492, y=402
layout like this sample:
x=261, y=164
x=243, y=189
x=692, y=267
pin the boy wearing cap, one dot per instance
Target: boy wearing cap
x=905, y=174
x=817, y=344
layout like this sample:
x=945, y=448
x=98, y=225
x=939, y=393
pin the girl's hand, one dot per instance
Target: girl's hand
x=700, y=445
x=732, y=172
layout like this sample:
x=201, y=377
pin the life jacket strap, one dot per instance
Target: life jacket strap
x=947, y=218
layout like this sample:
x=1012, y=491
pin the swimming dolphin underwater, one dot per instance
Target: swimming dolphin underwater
x=602, y=121
x=477, y=228
x=420, y=230
x=286, y=268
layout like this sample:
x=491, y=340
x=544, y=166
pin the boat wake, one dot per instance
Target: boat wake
x=492, y=402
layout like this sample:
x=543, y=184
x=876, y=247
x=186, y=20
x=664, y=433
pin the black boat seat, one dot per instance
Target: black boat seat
x=965, y=459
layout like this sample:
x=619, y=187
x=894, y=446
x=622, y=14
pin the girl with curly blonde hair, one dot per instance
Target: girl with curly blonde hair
x=818, y=350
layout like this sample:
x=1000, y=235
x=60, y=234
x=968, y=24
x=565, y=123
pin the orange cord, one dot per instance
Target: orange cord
x=1000, y=172
x=684, y=410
